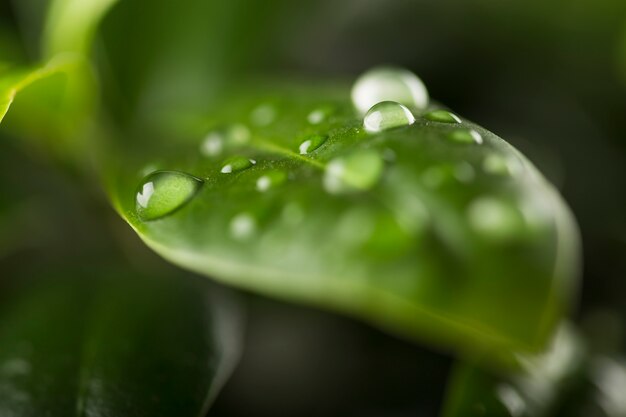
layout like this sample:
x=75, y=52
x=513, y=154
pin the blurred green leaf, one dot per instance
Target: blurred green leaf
x=87, y=343
x=71, y=25
x=463, y=244
x=543, y=387
x=59, y=96
x=13, y=81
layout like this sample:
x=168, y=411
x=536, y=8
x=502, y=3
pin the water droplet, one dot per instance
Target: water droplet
x=500, y=165
x=389, y=84
x=434, y=177
x=212, y=145
x=238, y=134
x=442, y=116
x=389, y=155
x=495, y=219
x=164, y=192
x=387, y=115
x=269, y=180
x=292, y=213
x=236, y=164
x=312, y=143
x=263, y=115
x=358, y=171
x=465, y=136
x=355, y=226
x=464, y=172
x=242, y=226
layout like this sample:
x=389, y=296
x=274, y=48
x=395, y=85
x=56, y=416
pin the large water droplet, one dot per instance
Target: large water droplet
x=270, y=179
x=389, y=84
x=442, y=116
x=312, y=143
x=164, y=192
x=358, y=171
x=236, y=164
x=465, y=136
x=387, y=115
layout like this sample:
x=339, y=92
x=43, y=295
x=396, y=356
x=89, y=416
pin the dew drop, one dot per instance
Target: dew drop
x=495, y=219
x=358, y=171
x=389, y=84
x=442, y=116
x=263, y=115
x=238, y=134
x=242, y=226
x=163, y=192
x=434, y=177
x=464, y=172
x=387, y=115
x=312, y=143
x=269, y=180
x=465, y=136
x=212, y=145
x=293, y=213
x=500, y=165
x=236, y=164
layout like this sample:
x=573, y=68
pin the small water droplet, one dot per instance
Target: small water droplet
x=212, y=145
x=465, y=136
x=312, y=143
x=164, y=192
x=442, y=116
x=236, y=164
x=389, y=84
x=263, y=115
x=270, y=179
x=387, y=115
x=434, y=177
x=242, y=226
x=500, y=165
x=464, y=172
x=238, y=134
x=495, y=219
x=389, y=155
x=358, y=171
x=355, y=226
x=293, y=213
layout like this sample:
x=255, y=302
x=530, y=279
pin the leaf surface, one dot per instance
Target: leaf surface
x=420, y=229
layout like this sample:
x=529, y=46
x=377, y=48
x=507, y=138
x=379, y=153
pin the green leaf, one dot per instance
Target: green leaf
x=112, y=344
x=456, y=243
x=546, y=384
x=13, y=81
x=71, y=25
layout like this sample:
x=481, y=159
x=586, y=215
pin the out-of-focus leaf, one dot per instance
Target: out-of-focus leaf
x=59, y=96
x=113, y=345
x=71, y=25
x=12, y=81
x=463, y=244
x=540, y=389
